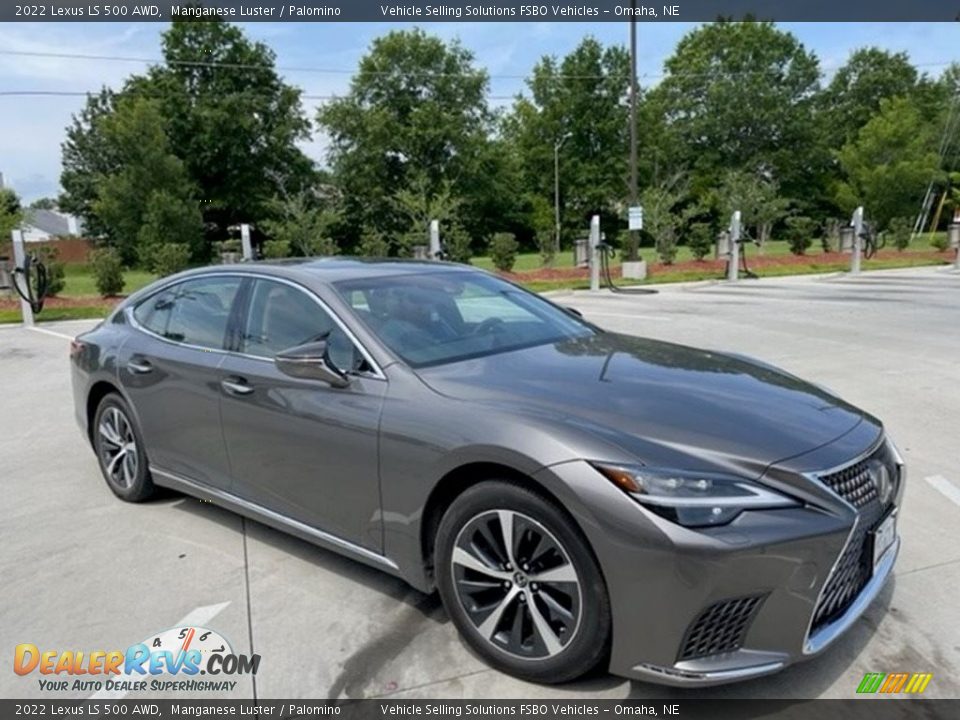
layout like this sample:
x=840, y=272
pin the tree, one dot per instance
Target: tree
x=420, y=203
x=415, y=120
x=303, y=224
x=232, y=120
x=739, y=95
x=148, y=200
x=228, y=116
x=44, y=203
x=11, y=214
x=662, y=216
x=576, y=108
x=756, y=197
x=889, y=163
x=853, y=97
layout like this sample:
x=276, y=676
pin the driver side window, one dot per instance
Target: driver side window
x=281, y=317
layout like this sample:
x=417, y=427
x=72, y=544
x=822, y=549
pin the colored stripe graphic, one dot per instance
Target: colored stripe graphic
x=870, y=683
x=914, y=683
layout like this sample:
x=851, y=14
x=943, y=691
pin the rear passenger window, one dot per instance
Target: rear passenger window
x=194, y=312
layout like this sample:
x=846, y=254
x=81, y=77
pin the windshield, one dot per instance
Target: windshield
x=438, y=318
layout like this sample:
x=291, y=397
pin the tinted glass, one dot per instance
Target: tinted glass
x=432, y=319
x=282, y=317
x=193, y=312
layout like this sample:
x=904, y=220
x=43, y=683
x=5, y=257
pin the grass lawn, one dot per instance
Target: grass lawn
x=80, y=283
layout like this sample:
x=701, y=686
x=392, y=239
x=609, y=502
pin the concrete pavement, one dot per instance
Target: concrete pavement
x=81, y=570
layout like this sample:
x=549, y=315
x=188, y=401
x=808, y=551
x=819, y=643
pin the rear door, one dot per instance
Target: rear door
x=169, y=370
x=301, y=447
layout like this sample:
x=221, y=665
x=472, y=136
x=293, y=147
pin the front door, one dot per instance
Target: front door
x=301, y=447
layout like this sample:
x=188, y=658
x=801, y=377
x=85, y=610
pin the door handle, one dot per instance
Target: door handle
x=139, y=367
x=236, y=386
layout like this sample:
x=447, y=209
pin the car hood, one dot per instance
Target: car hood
x=659, y=402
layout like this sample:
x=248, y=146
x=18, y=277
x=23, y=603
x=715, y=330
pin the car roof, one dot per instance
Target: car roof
x=334, y=269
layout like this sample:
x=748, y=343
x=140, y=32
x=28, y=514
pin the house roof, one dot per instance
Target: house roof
x=48, y=221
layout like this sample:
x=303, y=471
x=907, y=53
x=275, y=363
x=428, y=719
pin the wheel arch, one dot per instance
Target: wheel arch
x=98, y=391
x=457, y=481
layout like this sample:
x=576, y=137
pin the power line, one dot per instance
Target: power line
x=342, y=71
x=85, y=93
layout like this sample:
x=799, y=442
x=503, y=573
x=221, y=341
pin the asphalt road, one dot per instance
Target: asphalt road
x=81, y=570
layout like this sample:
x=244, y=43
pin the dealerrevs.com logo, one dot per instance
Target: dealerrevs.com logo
x=169, y=661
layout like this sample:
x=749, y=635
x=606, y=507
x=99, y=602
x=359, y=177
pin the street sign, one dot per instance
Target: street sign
x=635, y=218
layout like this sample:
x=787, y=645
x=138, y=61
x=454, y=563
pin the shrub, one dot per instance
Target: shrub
x=274, y=249
x=373, y=243
x=503, y=251
x=320, y=246
x=700, y=240
x=55, y=271
x=107, y=271
x=800, y=232
x=169, y=258
x=667, y=247
x=898, y=233
x=830, y=235
x=456, y=244
x=941, y=242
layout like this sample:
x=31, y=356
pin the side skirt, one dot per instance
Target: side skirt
x=275, y=520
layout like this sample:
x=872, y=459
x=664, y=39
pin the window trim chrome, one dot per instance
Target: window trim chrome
x=375, y=374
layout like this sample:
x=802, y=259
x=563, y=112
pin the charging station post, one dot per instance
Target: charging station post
x=733, y=264
x=245, y=241
x=435, y=251
x=20, y=261
x=857, y=223
x=595, y=253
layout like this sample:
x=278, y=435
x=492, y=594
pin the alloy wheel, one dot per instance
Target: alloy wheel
x=118, y=448
x=516, y=583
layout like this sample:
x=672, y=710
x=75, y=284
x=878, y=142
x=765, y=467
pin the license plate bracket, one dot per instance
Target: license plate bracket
x=883, y=537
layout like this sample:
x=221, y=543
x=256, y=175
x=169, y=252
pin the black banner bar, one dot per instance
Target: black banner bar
x=421, y=11
x=386, y=709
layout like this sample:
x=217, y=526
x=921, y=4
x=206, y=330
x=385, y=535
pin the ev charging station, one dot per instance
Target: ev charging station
x=245, y=242
x=856, y=222
x=595, y=253
x=953, y=236
x=28, y=278
x=728, y=246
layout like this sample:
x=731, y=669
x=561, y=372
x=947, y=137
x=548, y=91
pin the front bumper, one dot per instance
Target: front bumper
x=661, y=578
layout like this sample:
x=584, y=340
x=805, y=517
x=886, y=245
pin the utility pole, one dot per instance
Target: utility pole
x=634, y=234
x=556, y=191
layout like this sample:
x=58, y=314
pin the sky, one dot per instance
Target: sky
x=32, y=128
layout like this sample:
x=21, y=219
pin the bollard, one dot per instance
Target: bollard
x=595, y=253
x=733, y=265
x=245, y=241
x=19, y=261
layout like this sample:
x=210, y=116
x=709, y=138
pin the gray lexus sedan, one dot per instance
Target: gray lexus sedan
x=576, y=496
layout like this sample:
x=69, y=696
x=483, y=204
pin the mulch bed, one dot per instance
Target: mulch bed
x=754, y=261
x=11, y=303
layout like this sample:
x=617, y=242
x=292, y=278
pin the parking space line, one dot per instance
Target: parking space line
x=946, y=487
x=198, y=616
x=51, y=332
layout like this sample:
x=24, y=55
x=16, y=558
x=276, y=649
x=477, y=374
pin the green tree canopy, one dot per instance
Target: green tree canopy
x=890, y=163
x=415, y=119
x=739, y=95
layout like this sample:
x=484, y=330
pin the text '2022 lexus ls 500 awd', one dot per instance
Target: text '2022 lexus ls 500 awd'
x=576, y=496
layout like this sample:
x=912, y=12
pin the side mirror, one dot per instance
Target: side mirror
x=311, y=362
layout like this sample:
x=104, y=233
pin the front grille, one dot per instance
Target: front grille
x=720, y=628
x=855, y=567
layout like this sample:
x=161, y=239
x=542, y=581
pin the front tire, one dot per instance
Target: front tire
x=120, y=450
x=521, y=584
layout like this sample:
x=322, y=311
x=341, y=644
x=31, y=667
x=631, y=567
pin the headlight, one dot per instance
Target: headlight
x=692, y=499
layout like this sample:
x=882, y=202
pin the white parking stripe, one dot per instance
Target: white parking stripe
x=51, y=332
x=197, y=617
x=946, y=487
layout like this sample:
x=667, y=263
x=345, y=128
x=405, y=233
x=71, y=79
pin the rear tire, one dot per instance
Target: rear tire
x=539, y=610
x=120, y=450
